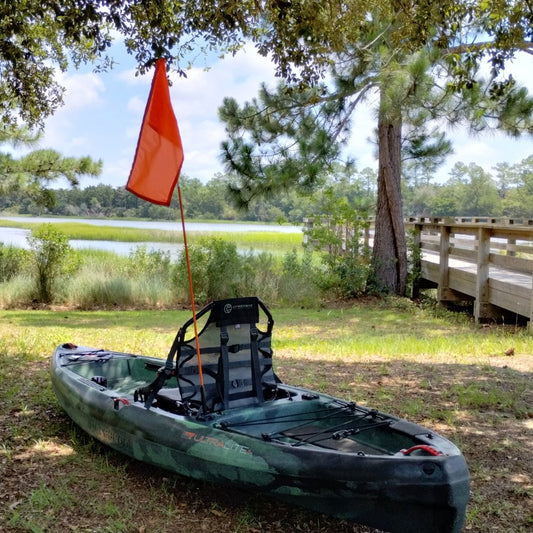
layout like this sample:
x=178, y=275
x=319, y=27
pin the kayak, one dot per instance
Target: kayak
x=215, y=410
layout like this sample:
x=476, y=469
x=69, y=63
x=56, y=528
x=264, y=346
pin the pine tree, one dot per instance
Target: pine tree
x=33, y=173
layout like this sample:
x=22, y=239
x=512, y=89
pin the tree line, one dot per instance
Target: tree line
x=471, y=190
x=208, y=201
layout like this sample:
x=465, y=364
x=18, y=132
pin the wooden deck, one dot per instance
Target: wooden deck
x=487, y=261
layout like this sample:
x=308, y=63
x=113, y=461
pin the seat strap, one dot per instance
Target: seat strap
x=224, y=338
x=256, y=367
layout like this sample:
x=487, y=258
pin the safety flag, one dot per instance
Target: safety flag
x=159, y=155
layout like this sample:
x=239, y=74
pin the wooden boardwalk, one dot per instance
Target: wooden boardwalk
x=486, y=261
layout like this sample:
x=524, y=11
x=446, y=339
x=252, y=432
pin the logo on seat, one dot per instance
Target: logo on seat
x=228, y=308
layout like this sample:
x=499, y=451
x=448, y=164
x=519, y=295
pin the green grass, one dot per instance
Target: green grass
x=433, y=369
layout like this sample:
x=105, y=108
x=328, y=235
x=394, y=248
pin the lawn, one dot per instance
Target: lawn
x=431, y=368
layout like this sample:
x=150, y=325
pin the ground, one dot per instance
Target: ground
x=55, y=478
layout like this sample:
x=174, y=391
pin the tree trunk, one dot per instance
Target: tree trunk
x=389, y=257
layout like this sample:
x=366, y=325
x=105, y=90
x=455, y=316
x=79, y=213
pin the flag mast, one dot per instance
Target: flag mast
x=155, y=175
x=201, y=374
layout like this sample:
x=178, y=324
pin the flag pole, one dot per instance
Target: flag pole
x=201, y=374
x=155, y=173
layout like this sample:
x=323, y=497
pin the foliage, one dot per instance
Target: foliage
x=214, y=270
x=415, y=265
x=53, y=258
x=300, y=37
x=202, y=201
x=12, y=262
x=474, y=191
x=151, y=279
x=151, y=264
x=38, y=38
x=299, y=282
x=341, y=239
x=30, y=175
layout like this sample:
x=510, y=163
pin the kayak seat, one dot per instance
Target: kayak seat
x=235, y=352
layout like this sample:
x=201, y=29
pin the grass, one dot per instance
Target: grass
x=436, y=370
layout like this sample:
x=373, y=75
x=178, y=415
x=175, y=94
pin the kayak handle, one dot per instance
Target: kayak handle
x=424, y=447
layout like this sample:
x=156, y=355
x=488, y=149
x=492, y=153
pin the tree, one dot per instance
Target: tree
x=39, y=36
x=422, y=62
x=33, y=172
x=516, y=187
x=477, y=194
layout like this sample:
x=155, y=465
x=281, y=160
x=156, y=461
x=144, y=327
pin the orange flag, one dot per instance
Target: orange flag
x=159, y=155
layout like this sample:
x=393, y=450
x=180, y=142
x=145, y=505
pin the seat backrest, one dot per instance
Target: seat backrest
x=236, y=355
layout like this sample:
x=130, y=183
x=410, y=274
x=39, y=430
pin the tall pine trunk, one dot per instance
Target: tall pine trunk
x=389, y=257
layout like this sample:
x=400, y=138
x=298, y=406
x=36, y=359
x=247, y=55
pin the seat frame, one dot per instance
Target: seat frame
x=237, y=371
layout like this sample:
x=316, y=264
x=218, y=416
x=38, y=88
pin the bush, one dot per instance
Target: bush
x=345, y=257
x=13, y=261
x=219, y=271
x=260, y=276
x=215, y=271
x=52, y=257
x=153, y=264
x=346, y=274
x=299, y=280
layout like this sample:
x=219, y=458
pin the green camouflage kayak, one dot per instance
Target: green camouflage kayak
x=230, y=420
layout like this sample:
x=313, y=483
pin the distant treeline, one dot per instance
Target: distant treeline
x=471, y=190
x=208, y=201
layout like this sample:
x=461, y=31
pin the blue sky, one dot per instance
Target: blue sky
x=103, y=113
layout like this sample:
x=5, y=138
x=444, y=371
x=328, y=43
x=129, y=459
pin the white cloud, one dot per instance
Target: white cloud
x=103, y=113
x=82, y=90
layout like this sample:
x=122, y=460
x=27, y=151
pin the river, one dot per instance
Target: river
x=17, y=236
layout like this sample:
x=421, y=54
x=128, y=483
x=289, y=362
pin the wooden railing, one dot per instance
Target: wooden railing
x=489, y=261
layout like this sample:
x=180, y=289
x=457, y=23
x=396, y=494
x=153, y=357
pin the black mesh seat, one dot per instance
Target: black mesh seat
x=236, y=356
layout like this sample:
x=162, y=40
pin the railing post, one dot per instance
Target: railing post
x=417, y=261
x=482, y=308
x=444, y=268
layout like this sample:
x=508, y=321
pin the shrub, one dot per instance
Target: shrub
x=299, y=280
x=215, y=271
x=52, y=257
x=260, y=276
x=13, y=261
x=153, y=264
x=345, y=257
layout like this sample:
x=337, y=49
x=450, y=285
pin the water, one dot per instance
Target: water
x=17, y=236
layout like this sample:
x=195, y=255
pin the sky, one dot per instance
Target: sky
x=103, y=112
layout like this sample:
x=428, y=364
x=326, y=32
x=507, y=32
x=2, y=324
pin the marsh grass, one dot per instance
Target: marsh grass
x=464, y=387
x=257, y=240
